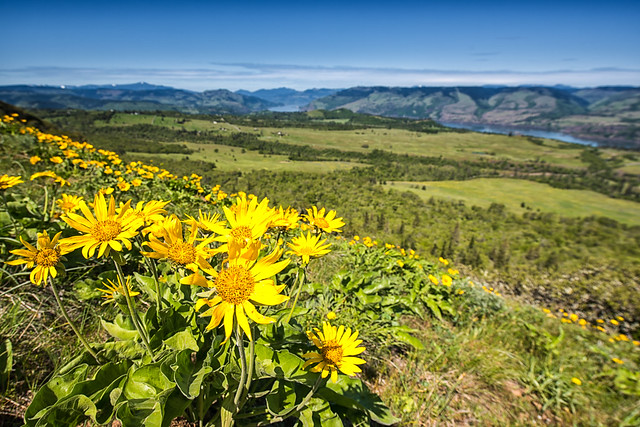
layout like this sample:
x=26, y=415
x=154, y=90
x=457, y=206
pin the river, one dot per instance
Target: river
x=529, y=132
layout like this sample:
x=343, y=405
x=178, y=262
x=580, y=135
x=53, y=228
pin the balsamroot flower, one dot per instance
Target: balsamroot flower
x=328, y=223
x=107, y=230
x=308, y=246
x=111, y=293
x=7, y=181
x=237, y=285
x=337, y=350
x=69, y=203
x=45, y=257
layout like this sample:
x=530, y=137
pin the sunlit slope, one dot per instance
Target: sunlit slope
x=521, y=196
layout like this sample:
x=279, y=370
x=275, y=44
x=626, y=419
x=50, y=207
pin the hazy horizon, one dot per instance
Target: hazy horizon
x=254, y=45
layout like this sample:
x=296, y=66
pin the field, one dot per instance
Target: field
x=455, y=145
x=472, y=309
x=228, y=158
x=520, y=196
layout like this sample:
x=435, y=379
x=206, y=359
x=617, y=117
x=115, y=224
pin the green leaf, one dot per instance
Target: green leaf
x=140, y=412
x=182, y=340
x=188, y=376
x=281, y=398
x=58, y=388
x=121, y=328
x=146, y=382
x=353, y=394
x=409, y=339
x=70, y=412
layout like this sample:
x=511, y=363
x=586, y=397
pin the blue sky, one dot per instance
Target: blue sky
x=201, y=45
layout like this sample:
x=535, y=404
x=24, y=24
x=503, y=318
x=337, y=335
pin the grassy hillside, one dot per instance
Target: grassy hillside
x=441, y=347
x=524, y=196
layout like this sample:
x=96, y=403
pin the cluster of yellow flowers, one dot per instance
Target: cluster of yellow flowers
x=243, y=279
x=609, y=327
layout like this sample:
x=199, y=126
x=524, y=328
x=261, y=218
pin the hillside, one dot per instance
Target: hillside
x=610, y=115
x=135, y=308
x=139, y=97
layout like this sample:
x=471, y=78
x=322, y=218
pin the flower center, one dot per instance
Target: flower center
x=332, y=352
x=305, y=250
x=47, y=257
x=182, y=253
x=321, y=222
x=105, y=231
x=235, y=284
x=67, y=206
x=241, y=235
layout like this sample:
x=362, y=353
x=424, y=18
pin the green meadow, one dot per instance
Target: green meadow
x=520, y=196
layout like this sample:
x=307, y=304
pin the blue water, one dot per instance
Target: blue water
x=529, y=132
x=286, y=108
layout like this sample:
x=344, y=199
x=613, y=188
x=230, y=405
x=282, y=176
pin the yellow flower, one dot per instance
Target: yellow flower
x=34, y=159
x=248, y=221
x=446, y=280
x=433, y=279
x=285, y=218
x=180, y=252
x=236, y=286
x=614, y=322
x=337, y=350
x=308, y=246
x=207, y=222
x=150, y=212
x=328, y=223
x=105, y=191
x=574, y=317
x=7, y=181
x=136, y=182
x=52, y=175
x=444, y=261
x=114, y=290
x=56, y=159
x=107, y=230
x=576, y=381
x=618, y=361
x=400, y=263
x=45, y=256
x=124, y=186
x=69, y=203
x=331, y=315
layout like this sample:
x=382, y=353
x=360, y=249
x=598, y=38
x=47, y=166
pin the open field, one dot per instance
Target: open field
x=454, y=145
x=228, y=158
x=536, y=196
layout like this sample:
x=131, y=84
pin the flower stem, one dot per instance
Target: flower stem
x=302, y=274
x=243, y=364
x=68, y=319
x=134, y=315
x=252, y=359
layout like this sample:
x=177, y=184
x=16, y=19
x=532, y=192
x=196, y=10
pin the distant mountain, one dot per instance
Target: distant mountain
x=138, y=96
x=289, y=97
x=610, y=115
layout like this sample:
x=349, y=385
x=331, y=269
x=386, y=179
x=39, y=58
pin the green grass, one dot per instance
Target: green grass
x=454, y=145
x=228, y=158
x=513, y=192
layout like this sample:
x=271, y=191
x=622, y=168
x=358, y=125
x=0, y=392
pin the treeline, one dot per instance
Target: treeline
x=588, y=265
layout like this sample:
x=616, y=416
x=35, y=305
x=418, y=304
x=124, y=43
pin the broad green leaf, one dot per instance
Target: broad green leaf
x=352, y=393
x=69, y=412
x=146, y=382
x=182, y=340
x=121, y=328
x=140, y=412
x=188, y=376
x=281, y=398
x=58, y=388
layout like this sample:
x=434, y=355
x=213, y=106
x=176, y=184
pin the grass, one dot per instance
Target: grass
x=458, y=146
x=514, y=192
x=228, y=158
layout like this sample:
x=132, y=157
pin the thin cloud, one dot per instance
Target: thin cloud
x=257, y=76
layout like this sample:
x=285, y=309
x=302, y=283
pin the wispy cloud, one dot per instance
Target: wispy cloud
x=256, y=76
